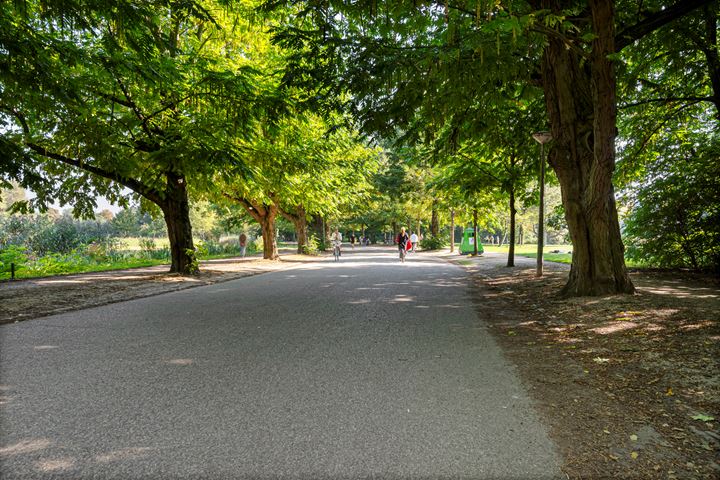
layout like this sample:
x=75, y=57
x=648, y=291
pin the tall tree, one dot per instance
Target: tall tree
x=401, y=56
x=92, y=104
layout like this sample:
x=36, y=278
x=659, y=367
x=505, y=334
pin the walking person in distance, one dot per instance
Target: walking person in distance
x=402, y=240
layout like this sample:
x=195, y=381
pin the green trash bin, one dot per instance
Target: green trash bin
x=468, y=242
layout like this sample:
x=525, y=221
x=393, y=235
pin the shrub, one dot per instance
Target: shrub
x=312, y=245
x=257, y=244
x=13, y=254
x=433, y=243
x=675, y=219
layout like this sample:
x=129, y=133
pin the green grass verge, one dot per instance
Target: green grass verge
x=70, y=269
x=530, y=251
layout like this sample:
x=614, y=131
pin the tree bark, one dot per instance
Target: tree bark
x=267, y=226
x=326, y=233
x=316, y=227
x=513, y=212
x=452, y=230
x=176, y=211
x=434, y=222
x=580, y=99
x=475, y=232
x=541, y=215
x=299, y=221
x=711, y=54
x=302, y=233
x=265, y=214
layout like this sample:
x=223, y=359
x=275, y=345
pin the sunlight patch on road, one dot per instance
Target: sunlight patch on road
x=55, y=464
x=45, y=347
x=25, y=446
x=122, y=454
x=180, y=361
x=402, y=298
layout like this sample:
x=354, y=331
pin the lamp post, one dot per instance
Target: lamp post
x=542, y=138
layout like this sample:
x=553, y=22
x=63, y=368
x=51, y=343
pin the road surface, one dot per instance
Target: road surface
x=363, y=368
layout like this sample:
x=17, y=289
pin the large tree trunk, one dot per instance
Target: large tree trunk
x=265, y=214
x=316, y=227
x=326, y=233
x=176, y=211
x=475, y=232
x=302, y=233
x=710, y=49
x=452, y=230
x=299, y=221
x=580, y=98
x=434, y=222
x=267, y=226
x=513, y=212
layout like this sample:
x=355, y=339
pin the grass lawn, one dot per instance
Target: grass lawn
x=530, y=251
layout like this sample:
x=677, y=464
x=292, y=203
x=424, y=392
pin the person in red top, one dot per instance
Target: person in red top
x=402, y=242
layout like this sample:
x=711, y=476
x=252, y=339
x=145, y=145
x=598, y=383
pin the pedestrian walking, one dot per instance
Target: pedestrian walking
x=414, y=241
x=243, y=244
x=402, y=241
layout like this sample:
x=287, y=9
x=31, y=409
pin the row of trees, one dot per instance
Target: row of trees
x=169, y=100
x=470, y=80
x=254, y=106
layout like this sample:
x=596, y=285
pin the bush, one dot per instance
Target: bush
x=257, y=244
x=675, y=220
x=433, y=243
x=11, y=255
x=311, y=247
x=149, y=250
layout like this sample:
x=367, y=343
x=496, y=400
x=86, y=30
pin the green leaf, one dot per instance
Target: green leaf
x=703, y=418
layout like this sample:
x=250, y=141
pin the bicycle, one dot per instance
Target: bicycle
x=336, y=251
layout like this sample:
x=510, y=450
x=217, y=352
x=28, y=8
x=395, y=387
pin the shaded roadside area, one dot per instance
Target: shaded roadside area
x=630, y=385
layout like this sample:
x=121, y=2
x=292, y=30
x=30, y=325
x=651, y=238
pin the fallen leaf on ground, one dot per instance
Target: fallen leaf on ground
x=703, y=418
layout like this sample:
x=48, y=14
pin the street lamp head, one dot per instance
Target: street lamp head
x=542, y=137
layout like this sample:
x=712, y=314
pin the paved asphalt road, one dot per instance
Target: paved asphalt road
x=363, y=368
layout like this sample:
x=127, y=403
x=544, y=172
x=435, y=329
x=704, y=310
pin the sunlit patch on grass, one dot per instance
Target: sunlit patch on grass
x=25, y=446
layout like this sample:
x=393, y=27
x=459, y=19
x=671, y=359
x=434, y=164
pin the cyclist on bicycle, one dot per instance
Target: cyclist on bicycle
x=402, y=240
x=336, y=240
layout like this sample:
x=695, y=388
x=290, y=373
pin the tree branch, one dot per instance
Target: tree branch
x=655, y=21
x=136, y=186
x=660, y=125
x=247, y=205
x=667, y=100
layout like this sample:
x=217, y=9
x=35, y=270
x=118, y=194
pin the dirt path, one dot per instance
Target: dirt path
x=630, y=385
